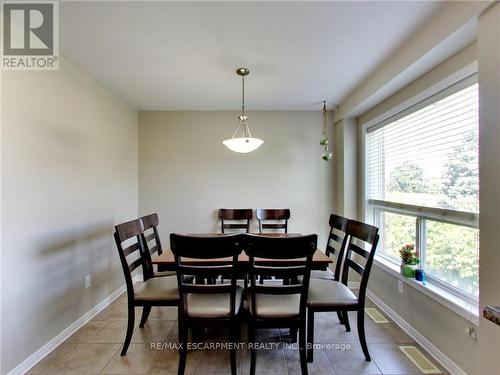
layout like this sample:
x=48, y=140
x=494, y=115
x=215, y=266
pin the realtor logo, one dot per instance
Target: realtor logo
x=30, y=35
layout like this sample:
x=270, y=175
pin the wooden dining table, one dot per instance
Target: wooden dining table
x=166, y=260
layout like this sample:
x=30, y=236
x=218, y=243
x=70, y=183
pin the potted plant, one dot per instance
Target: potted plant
x=409, y=261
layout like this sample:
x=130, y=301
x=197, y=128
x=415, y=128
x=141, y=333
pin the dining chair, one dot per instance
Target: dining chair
x=335, y=247
x=152, y=244
x=241, y=215
x=271, y=214
x=157, y=291
x=279, y=306
x=206, y=306
x=331, y=295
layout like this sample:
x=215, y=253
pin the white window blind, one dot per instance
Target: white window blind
x=428, y=156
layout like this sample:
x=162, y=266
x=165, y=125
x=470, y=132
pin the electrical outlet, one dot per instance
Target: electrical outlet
x=88, y=281
x=471, y=331
x=400, y=286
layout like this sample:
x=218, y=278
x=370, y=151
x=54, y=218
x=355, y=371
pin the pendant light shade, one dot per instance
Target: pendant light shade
x=245, y=143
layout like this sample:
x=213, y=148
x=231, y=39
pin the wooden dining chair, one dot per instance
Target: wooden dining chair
x=331, y=295
x=271, y=214
x=335, y=248
x=211, y=305
x=239, y=218
x=152, y=244
x=157, y=291
x=279, y=306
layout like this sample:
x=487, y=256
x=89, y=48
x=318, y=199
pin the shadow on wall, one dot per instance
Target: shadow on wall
x=64, y=258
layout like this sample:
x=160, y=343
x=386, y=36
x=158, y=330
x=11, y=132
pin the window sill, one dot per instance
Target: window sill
x=465, y=309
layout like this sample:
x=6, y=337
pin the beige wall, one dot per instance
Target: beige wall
x=456, y=67
x=186, y=173
x=69, y=174
x=346, y=177
x=426, y=47
x=441, y=326
x=489, y=174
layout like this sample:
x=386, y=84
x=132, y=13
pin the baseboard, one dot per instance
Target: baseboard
x=437, y=354
x=41, y=353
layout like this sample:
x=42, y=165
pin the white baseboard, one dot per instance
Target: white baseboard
x=437, y=354
x=41, y=353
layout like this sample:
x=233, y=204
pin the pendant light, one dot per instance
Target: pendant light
x=323, y=141
x=245, y=143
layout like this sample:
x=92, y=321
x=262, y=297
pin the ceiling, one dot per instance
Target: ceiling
x=183, y=56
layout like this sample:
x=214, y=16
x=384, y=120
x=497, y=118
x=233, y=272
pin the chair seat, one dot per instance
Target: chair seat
x=323, y=293
x=273, y=306
x=158, y=289
x=212, y=305
x=164, y=273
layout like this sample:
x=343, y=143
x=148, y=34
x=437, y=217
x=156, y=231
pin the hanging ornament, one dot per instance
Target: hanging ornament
x=323, y=141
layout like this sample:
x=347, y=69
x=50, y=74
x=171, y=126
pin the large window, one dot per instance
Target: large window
x=422, y=185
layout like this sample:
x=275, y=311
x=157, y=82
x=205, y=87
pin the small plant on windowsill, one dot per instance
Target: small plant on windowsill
x=409, y=260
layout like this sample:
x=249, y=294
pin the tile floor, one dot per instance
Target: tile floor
x=95, y=349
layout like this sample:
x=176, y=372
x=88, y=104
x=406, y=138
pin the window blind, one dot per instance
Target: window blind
x=429, y=155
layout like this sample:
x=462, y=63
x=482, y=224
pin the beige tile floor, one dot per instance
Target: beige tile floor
x=95, y=349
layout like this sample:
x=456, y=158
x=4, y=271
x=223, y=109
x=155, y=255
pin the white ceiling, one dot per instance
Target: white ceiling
x=182, y=56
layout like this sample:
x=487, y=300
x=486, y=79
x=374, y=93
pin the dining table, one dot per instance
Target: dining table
x=166, y=260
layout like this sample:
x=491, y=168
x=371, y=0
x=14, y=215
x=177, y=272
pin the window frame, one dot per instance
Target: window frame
x=371, y=208
x=422, y=214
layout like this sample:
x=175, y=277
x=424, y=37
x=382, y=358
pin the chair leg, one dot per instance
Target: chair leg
x=361, y=333
x=339, y=315
x=302, y=349
x=251, y=342
x=130, y=329
x=232, y=352
x=145, y=314
x=183, y=333
x=345, y=318
x=310, y=334
x=293, y=335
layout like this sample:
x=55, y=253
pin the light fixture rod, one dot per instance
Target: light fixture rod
x=243, y=95
x=247, y=130
x=237, y=128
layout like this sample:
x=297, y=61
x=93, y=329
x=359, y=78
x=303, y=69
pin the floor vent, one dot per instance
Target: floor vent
x=376, y=316
x=419, y=360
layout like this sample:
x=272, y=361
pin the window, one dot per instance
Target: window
x=422, y=185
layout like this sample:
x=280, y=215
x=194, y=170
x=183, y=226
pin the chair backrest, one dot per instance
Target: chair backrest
x=262, y=250
x=243, y=215
x=274, y=215
x=209, y=247
x=337, y=240
x=360, y=233
x=151, y=241
x=130, y=232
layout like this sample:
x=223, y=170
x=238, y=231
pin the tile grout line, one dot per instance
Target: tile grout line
x=31, y=361
x=421, y=340
x=112, y=357
x=329, y=361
